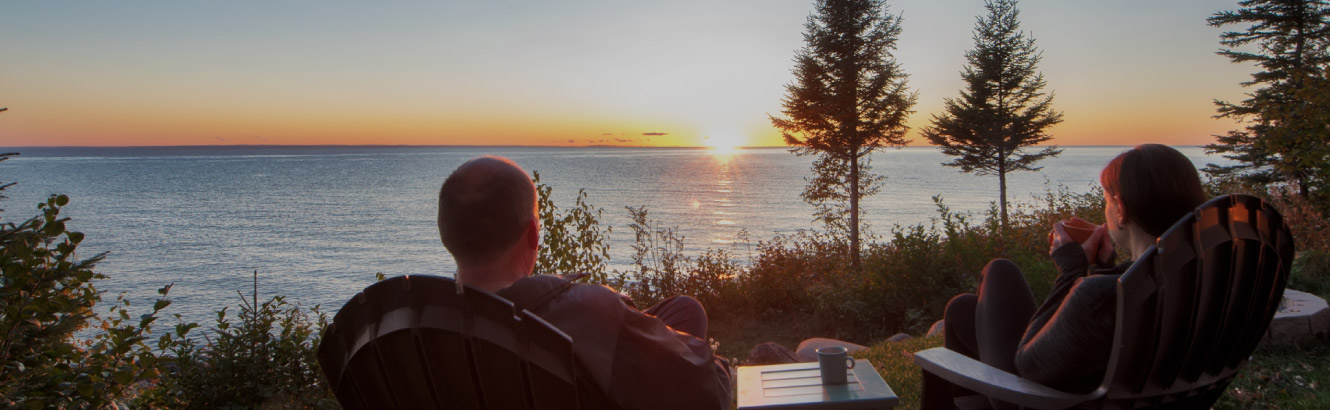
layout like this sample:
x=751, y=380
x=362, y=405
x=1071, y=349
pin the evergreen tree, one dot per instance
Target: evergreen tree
x=1286, y=137
x=1003, y=109
x=849, y=98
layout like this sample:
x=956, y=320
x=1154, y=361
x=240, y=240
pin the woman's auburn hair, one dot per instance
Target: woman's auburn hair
x=1154, y=184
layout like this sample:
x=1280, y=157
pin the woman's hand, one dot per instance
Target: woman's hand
x=1098, y=246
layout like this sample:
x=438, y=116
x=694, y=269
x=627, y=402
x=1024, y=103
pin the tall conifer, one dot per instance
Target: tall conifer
x=1287, y=137
x=1003, y=108
x=849, y=98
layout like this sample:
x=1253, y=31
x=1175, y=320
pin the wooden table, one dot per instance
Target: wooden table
x=799, y=386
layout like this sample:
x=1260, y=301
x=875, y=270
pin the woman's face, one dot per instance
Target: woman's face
x=1113, y=217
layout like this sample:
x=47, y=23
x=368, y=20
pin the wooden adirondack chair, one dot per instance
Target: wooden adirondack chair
x=1190, y=312
x=420, y=342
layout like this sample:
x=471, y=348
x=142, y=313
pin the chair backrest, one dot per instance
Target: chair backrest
x=1192, y=309
x=421, y=342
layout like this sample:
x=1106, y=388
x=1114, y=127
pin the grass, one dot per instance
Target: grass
x=1288, y=376
x=1283, y=377
x=895, y=362
x=738, y=335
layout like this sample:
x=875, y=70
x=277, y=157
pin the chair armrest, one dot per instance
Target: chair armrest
x=963, y=371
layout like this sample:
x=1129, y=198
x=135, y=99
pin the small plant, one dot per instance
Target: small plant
x=266, y=360
x=660, y=268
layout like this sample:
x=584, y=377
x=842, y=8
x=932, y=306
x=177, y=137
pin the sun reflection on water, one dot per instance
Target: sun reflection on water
x=721, y=197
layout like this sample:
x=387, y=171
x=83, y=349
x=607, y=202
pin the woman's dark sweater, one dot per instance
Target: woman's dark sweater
x=1067, y=342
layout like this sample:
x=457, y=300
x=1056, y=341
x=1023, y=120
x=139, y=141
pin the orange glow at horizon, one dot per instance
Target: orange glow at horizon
x=48, y=125
x=164, y=120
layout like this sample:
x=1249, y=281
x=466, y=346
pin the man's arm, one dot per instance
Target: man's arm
x=656, y=367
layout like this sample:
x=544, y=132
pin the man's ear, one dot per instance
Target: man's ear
x=533, y=234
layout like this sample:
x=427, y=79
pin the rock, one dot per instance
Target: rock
x=936, y=329
x=1302, y=316
x=769, y=353
x=899, y=337
x=807, y=350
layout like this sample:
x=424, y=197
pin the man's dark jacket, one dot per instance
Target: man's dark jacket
x=638, y=361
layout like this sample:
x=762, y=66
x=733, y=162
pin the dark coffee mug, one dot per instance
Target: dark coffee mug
x=834, y=362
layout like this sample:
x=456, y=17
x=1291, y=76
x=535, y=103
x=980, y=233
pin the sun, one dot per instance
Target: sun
x=722, y=144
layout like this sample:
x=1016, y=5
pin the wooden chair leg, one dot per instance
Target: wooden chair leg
x=936, y=394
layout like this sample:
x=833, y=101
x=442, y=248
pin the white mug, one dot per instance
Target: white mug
x=834, y=362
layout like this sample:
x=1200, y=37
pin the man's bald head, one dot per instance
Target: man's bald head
x=484, y=209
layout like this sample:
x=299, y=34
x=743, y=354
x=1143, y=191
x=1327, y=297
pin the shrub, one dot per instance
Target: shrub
x=1311, y=272
x=790, y=272
x=661, y=270
x=571, y=241
x=46, y=298
x=266, y=360
x=923, y=267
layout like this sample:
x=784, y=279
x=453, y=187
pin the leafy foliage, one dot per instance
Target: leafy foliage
x=849, y=98
x=571, y=240
x=46, y=298
x=1287, y=136
x=266, y=360
x=660, y=269
x=1003, y=109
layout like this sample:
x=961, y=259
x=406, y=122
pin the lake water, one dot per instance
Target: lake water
x=318, y=222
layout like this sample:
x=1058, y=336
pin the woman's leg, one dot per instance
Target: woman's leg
x=1002, y=312
x=958, y=325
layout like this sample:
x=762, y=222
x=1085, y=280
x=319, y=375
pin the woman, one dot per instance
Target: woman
x=1066, y=341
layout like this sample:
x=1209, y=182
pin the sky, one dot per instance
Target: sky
x=566, y=72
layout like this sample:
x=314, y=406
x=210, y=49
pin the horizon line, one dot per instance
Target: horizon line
x=220, y=146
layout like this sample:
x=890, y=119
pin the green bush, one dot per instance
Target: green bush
x=1311, y=273
x=660, y=269
x=791, y=274
x=265, y=360
x=923, y=267
x=47, y=298
x=572, y=240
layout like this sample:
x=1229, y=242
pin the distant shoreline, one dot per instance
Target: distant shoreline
x=266, y=146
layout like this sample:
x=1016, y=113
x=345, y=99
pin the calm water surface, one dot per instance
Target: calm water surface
x=317, y=223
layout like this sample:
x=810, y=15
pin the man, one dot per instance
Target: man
x=653, y=359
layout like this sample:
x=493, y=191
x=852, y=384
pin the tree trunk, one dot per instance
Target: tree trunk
x=1302, y=186
x=1002, y=195
x=854, y=211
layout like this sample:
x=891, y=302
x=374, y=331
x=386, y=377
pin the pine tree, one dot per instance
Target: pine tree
x=1287, y=136
x=849, y=98
x=1003, y=109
